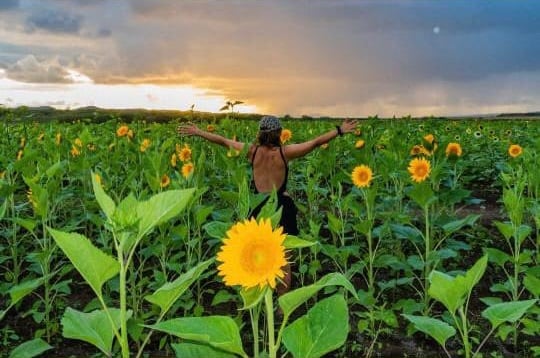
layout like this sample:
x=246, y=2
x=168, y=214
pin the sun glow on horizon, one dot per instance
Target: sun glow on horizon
x=82, y=92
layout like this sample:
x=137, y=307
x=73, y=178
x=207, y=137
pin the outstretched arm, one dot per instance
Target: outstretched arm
x=293, y=151
x=193, y=130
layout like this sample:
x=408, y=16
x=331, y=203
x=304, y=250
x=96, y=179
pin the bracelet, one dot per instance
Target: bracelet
x=339, y=131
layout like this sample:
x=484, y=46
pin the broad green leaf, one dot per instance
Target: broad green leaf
x=30, y=349
x=161, y=207
x=475, y=273
x=252, y=296
x=454, y=226
x=16, y=293
x=323, y=329
x=28, y=224
x=55, y=168
x=422, y=194
x=166, y=295
x=292, y=300
x=220, y=332
x=522, y=232
x=294, y=242
x=497, y=256
x=192, y=350
x=507, y=311
x=446, y=290
x=505, y=228
x=437, y=329
x=124, y=215
x=532, y=284
x=95, y=266
x=217, y=229
x=92, y=327
x=104, y=201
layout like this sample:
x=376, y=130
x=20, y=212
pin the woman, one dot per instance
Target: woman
x=269, y=161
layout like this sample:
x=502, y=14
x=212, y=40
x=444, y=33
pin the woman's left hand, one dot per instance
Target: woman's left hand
x=348, y=125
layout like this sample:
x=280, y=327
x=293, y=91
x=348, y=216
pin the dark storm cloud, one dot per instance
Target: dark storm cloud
x=54, y=21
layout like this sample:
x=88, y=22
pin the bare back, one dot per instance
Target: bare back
x=269, y=168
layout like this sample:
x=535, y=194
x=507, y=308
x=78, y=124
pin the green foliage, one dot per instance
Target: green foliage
x=30, y=349
x=323, y=329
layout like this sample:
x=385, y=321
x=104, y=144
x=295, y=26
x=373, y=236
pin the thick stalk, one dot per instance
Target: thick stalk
x=123, y=310
x=427, y=253
x=269, y=303
x=465, y=332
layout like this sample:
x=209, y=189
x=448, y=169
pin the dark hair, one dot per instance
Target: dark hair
x=270, y=138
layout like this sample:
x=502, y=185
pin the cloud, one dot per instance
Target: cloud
x=30, y=69
x=8, y=4
x=54, y=21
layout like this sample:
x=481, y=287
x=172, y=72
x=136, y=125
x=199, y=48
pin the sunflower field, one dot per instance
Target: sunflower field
x=417, y=238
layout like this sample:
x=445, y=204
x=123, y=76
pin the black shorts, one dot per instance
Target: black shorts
x=288, y=213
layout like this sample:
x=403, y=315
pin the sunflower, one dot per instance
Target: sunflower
x=130, y=134
x=477, y=134
x=360, y=144
x=20, y=154
x=453, y=150
x=210, y=128
x=252, y=254
x=233, y=153
x=31, y=199
x=122, y=131
x=285, y=136
x=78, y=142
x=23, y=142
x=40, y=137
x=430, y=142
x=144, y=145
x=58, y=138
x=361, y=176
x=419, y=149
x=184, y=154
x=515, y=150
x=165, y=181
x=324, y=145
x=91, y=147
x=419, y=168
x=75, y=152
x=173, y=160
x=187, y=169
x=357, y=132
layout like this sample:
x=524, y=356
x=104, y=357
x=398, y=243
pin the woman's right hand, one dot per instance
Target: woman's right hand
x=187, y=129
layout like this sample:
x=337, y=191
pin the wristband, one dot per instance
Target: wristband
x=339, y=131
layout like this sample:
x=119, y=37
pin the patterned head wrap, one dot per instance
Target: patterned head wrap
x=269, y=123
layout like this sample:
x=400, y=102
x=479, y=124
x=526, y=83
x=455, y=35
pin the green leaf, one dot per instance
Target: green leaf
x=28, y=224
x=166, y=295
x=93, y=327
x=192, y=350
x=532, y=284
x=3, y=209
x=55, y=168
x=505, y=228
x=506, y=311
x=475, y=273
x=497, y=256
x=437, y=329
x=294, y=242
x=17, y=292
x=220, y=332
x=30, y=349
x=217, y=229
x=454, y=226
x=105, y=202
x=422, y=194
x=252, y=296
x=95, y=266
x=162, y=207
x=323, y=329
x=293, y=299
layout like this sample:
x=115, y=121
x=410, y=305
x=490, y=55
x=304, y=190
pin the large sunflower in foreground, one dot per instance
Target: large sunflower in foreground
x=419, y=168
x=361, y=176
x=285, y=136
x=515, y=150
x=252, y=254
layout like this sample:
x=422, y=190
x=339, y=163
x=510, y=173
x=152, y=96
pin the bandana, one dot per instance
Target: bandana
x=269, y=123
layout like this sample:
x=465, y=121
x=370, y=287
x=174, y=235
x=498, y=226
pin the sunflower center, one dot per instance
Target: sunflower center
x=421, y=170
x=363, y=176
x=255, y=258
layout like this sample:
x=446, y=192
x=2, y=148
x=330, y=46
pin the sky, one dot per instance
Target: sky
x=302, y=57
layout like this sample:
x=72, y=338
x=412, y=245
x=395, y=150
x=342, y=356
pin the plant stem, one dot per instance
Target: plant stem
x=427, y=254
x=269, y=303
x=123, y=311
x=466, y=343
